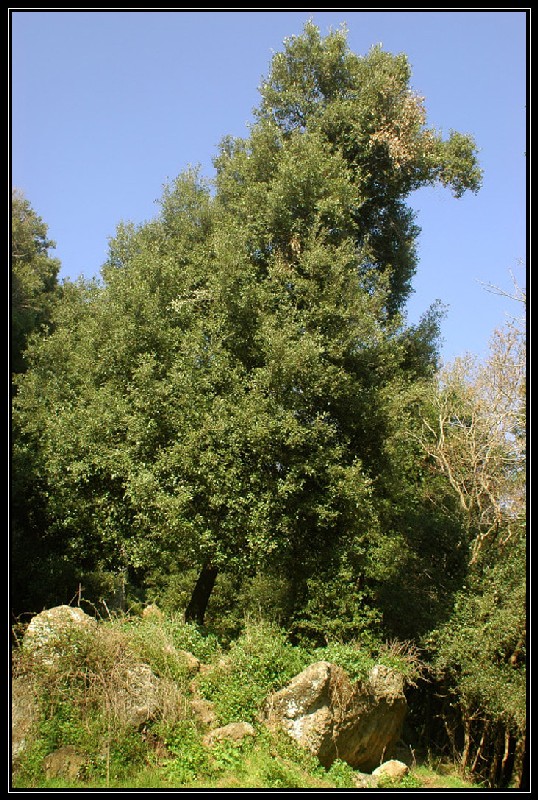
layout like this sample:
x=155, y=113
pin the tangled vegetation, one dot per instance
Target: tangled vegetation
x=80, y=698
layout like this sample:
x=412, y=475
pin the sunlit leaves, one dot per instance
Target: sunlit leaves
x=34, y=272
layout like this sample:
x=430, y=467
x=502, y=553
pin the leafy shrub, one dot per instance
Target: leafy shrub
x=408, y=781
x=356, y=661
x=335, y=610
x=358, y=658
x=257, y=663
x=404, y=658
x=340, y=774
x=188, y=758
x=274, y=761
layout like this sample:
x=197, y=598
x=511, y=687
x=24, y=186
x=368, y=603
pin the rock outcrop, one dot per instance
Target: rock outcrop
x=334, y=718
x=321, y=708
x=24, y=715
x=133, y=692
x=66, y=762
x=138, y=698
x=51, y=634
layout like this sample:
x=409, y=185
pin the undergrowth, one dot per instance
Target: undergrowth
x=82, y=699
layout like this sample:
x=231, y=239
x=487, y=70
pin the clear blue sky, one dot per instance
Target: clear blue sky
x=106, y=106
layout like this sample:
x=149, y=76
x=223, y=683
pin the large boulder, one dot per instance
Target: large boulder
x=334, y=718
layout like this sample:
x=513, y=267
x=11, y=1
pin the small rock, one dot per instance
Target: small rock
x=65, y=763
x=235, y=732
x=204, y=711
x=393, y=770
x=362, y=780
x=153, y=612
x=192, y=663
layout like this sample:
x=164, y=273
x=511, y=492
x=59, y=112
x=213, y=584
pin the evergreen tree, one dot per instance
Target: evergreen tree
x=223, y=400
x=33, y=276
x=34, y=293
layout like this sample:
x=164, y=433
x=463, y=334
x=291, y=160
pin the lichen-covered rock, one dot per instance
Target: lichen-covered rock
x=132, y=689
x=305, y=708
x=56, y=632
x=137, y=699
x=24, y=715
x=381, y=707
x=204, y=711
x=334, y=718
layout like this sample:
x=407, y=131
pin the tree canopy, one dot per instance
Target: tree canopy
x=239, y=398
x=222, y=396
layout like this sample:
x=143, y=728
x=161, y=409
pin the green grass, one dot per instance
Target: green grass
x=443, y=775
x=265, y=764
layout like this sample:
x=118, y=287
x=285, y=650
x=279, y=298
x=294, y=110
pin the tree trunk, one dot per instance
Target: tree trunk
x=196, y=608
x=507, y=759
x=480, y=749
x=521, y=778
x=518, y=777
x=498, y=744
x=467, y=721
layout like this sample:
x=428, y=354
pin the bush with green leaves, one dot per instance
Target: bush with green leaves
x=359, y=657
x=341, y=775
x=260, y=661
x=357, y=661
x=408, y=781
x=188, y=760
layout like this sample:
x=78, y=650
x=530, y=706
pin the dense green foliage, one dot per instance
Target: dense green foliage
x=225, y=396
x=239, y=399
x=477, y=440
x=33, y=277
x=34, y=297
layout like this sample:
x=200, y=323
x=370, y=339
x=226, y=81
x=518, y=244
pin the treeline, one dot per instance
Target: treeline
x=236, y=416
